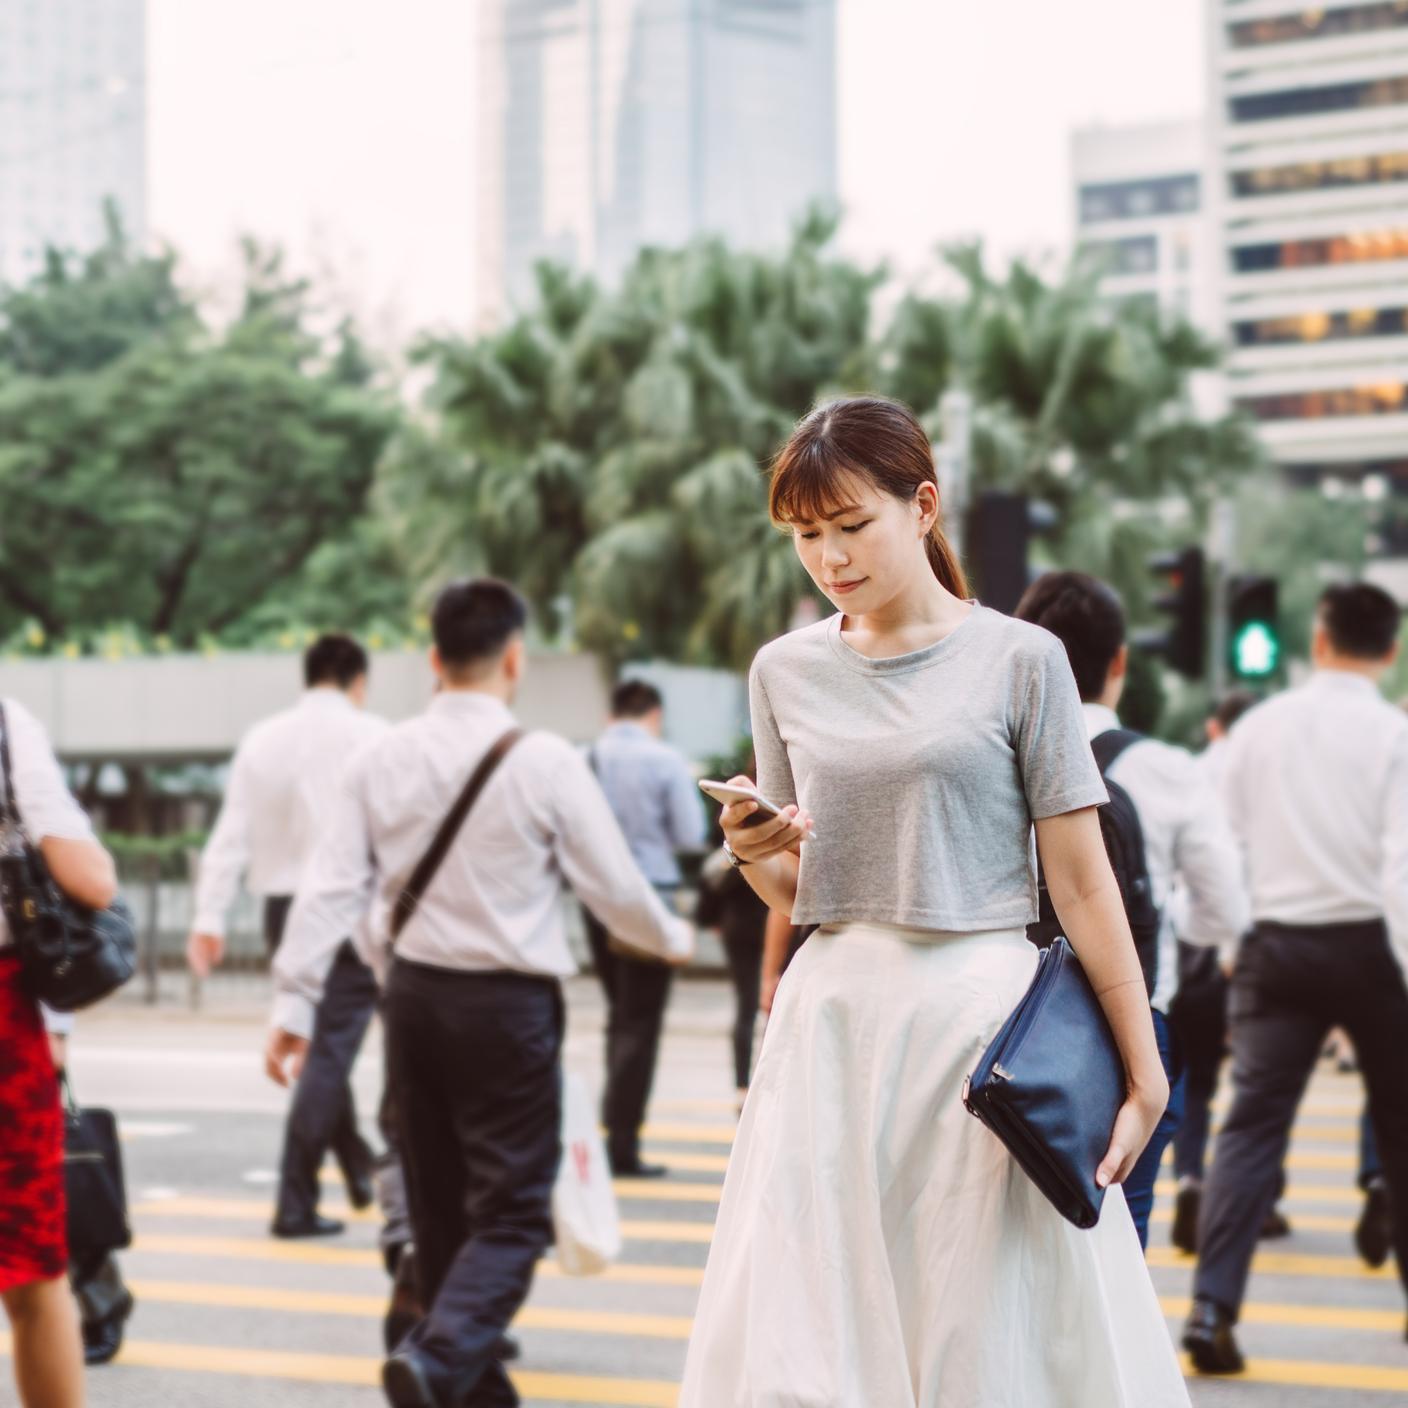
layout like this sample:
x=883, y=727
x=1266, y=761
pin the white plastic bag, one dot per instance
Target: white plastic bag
x=583, y=1203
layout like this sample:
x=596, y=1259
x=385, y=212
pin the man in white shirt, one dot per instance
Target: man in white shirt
x=282, y=779
x=473, y=1006
x=1317, y=793
x=1186, y=840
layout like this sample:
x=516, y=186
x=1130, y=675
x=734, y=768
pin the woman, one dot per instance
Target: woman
x=876, y=1247
x=47, y=1351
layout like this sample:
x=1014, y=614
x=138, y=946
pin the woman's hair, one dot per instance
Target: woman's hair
x=864, y=437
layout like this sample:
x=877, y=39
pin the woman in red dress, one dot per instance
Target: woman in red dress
x=48, y=1354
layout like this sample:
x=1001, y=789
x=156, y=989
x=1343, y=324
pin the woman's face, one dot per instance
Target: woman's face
x=869, y=548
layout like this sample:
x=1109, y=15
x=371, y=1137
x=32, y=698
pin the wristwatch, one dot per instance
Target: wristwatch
x=733, y=859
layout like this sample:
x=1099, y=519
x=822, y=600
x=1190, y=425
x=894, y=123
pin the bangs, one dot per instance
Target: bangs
x=811, y=482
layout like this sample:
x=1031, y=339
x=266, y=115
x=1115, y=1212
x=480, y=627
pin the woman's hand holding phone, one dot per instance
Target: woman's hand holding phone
x=759, y=840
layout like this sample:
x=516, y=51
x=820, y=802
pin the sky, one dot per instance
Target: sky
x=345, y=131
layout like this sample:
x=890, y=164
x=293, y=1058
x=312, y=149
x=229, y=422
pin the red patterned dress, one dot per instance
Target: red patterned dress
x=33, y=1240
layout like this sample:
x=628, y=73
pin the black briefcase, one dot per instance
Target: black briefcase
x=1051, y=1083
x=93, y=1181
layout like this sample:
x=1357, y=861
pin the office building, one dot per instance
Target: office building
x=72, y=125
x=611, y=125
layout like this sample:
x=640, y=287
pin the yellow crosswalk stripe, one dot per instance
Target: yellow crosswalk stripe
x=690, y=1133
x=1295, y=1192
x=365, y=1372
x=1300, y=1221
x=252, y=1210
x=652, y=1190
x=688, y=1163
x=1319, y=1317
x=597, y=1322
x=1285, y=1264
x=319, y=1254
x=1304, y=1373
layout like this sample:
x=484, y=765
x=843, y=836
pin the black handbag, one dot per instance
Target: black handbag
x=93, y=1183
x=70, y=955
x=1051, y=1083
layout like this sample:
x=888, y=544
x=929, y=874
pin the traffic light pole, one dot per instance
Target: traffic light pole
x=1222, y=552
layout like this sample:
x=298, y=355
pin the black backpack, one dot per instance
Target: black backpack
x=1124, y=840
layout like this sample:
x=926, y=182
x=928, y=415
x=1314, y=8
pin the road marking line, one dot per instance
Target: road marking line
x=652, y=1190
x=682, y=1133
x=1295, y=1193
x=251, y=1210
x=260, y=1249
x=677, y=1327
x=598, y=1322
x=1320, y=1317
x=1304, y=1373
x=366, y=1372
x=1285, y=1264
x=1300, y=1221
x=634, y=1393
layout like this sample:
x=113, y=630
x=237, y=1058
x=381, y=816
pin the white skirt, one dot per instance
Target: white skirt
x=877, y=1247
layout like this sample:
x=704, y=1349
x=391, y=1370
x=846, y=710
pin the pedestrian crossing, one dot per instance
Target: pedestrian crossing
x=223, y=1302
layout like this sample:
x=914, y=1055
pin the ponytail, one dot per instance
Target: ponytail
x=942, y=558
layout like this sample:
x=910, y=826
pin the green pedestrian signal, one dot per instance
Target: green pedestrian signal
x=1253, y=628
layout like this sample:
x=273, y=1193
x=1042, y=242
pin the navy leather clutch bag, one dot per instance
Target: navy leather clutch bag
x=1051, y=1083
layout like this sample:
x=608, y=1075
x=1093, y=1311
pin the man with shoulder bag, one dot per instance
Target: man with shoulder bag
x=447, y=849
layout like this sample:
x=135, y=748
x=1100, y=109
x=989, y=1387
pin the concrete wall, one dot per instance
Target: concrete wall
x=190, y=707
x=185, y=707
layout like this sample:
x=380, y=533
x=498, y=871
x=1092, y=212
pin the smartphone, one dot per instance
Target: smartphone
x=728, y=793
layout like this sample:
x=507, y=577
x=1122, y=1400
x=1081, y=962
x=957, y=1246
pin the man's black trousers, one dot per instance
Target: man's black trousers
x=323, y=1112
x=473, y=1061
x=637, y=991
x=1291, y=985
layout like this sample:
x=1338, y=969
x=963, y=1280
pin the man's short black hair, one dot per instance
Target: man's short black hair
x=1232, y=706
x=634, y=699
x=1362, y=619
x=1087, y=618
x=473, y=621
x=334, y=659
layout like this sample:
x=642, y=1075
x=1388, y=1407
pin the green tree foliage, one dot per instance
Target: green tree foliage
x=606, y=449
x=159, y=471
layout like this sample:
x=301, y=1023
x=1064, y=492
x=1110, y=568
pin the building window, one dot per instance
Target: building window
x=1321, y=175
x=1322, y=327
x=1129, y=200
x=1306, y=254
x=1310, y=102
x=1318, y=23
x=1138, y=254
x=1390, y=398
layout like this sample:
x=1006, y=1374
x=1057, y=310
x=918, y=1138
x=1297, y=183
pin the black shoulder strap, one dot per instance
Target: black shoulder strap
x=10, y=811
x=424, y=872
x=1108, y=746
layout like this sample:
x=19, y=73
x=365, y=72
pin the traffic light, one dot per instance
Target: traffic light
x=1253, y=628
x=1183, y=596
x=1000, y=527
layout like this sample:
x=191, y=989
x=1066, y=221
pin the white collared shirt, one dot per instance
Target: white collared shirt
x=1316, y=787
x=1194, y=868
x=45, y=805
x=283, y=775
x=496, y=901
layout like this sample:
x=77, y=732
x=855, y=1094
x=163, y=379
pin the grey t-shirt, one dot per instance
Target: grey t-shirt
x=923, y=772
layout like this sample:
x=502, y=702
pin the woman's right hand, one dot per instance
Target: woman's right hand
x=767, y=838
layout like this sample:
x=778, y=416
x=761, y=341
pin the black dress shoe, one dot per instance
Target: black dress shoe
x=1373, y=1234
x=1275, y=1227
x=405, y=1382
x=1185, y=1218
x=636, y=1169
x=315, y=1226
x=101, y=1342
x=1209, y=1340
